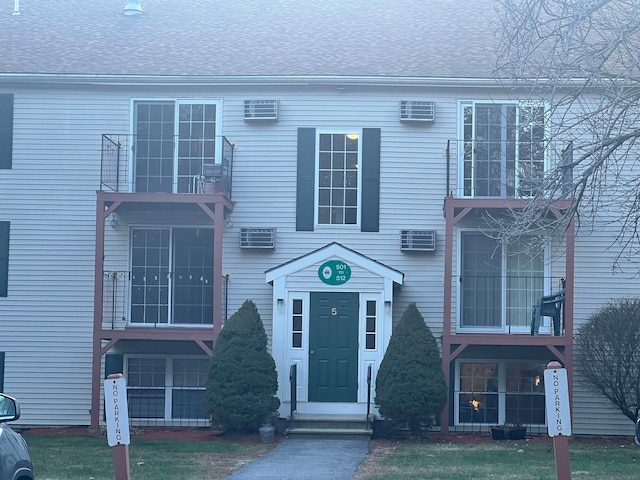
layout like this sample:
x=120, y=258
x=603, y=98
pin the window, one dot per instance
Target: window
x=160, y=388
x=173, y=140
x=146, y=387
x=500, y=392
x=296, y=324
x=172, y=276
x=4, y=258
x=189, y=388
x=499, y=284
x=370, y=325
x=338, y=179
x=478, y=393
x=503, y=151
x=6, y=130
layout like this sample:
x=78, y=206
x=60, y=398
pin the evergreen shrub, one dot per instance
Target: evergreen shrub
x=242, y=376
x=410, y=385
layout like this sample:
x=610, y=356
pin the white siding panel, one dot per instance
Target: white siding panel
x=49, y=198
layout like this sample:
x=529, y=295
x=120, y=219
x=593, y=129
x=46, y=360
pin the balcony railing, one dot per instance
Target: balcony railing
x=117, y=294
x=504, y=169
x=147, y=406
x=495, y=303
x=168, y=164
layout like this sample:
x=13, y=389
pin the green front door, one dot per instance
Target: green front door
x=333, y=347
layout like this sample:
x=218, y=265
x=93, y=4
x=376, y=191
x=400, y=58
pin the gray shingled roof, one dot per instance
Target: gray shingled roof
x=398, y=38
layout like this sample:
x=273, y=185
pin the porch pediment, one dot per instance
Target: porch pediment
x=334, y=251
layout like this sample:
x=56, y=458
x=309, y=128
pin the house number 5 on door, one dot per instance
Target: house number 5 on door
x=334, y=311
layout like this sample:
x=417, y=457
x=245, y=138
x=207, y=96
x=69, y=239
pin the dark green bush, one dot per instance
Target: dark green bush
x=410, y=385
x=242, y=376
x=608, y=353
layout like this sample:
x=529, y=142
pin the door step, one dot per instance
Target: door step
x=330, y=426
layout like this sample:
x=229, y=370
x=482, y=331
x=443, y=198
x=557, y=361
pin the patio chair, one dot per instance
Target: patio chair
x=550, y=306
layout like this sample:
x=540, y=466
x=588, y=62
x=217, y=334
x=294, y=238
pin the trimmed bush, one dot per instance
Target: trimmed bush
x=608, y=353
x=410, y=386
x=242, y=376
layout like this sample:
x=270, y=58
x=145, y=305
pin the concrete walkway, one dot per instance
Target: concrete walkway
x=307, y=459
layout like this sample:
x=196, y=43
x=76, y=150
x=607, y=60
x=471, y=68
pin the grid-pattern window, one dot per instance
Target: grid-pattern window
x=370, y=325
x=478, y=393
x=296, y=329
x=146, y=387
x=338, y=179
x=501, y=392
x=196, y=142
x=171, y=150
x=179, y=295
x=189, y=388
x=154, y=131
x=503, y=149
x=150, y=275
x=524, y=402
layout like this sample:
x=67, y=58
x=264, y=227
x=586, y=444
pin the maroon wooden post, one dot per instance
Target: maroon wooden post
x=561, y=454
x=121, y=462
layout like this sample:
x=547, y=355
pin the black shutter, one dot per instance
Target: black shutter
x=306, y=173
x=1, y=371
x=4, y=258
x=113, y=363
x=370, y=210
x=6, y=130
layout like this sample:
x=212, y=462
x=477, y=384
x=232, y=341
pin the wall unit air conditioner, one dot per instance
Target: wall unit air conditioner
x=417, y=111
x=258, y=238
x=261, y=109
x=418, y=240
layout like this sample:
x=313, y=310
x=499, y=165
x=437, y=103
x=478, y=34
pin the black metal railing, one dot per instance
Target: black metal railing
x=293, y=383
x=504, y=169
x=117, y=303
x=369, y=375
x=147, y=406
x=502, y=302
x=122, y=169
x=479, y=411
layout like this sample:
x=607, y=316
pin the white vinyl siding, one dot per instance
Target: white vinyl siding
x=49, y=196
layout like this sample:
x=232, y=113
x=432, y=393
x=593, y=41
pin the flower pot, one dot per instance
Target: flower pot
x=508, y=433
x=267, y=433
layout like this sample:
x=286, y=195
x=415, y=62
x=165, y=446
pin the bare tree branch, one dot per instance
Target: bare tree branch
x=581, y=58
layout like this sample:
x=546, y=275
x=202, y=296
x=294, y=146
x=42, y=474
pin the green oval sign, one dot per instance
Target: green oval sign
x=334, y=272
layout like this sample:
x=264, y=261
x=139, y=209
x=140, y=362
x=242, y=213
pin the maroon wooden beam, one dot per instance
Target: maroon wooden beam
x=97, y=313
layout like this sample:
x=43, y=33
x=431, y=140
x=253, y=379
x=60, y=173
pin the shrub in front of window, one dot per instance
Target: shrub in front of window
x=410, y=385
x=242, y=377
x=608, y=352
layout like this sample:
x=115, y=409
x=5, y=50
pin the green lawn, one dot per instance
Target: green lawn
x=504, y=460
x=86, y=457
